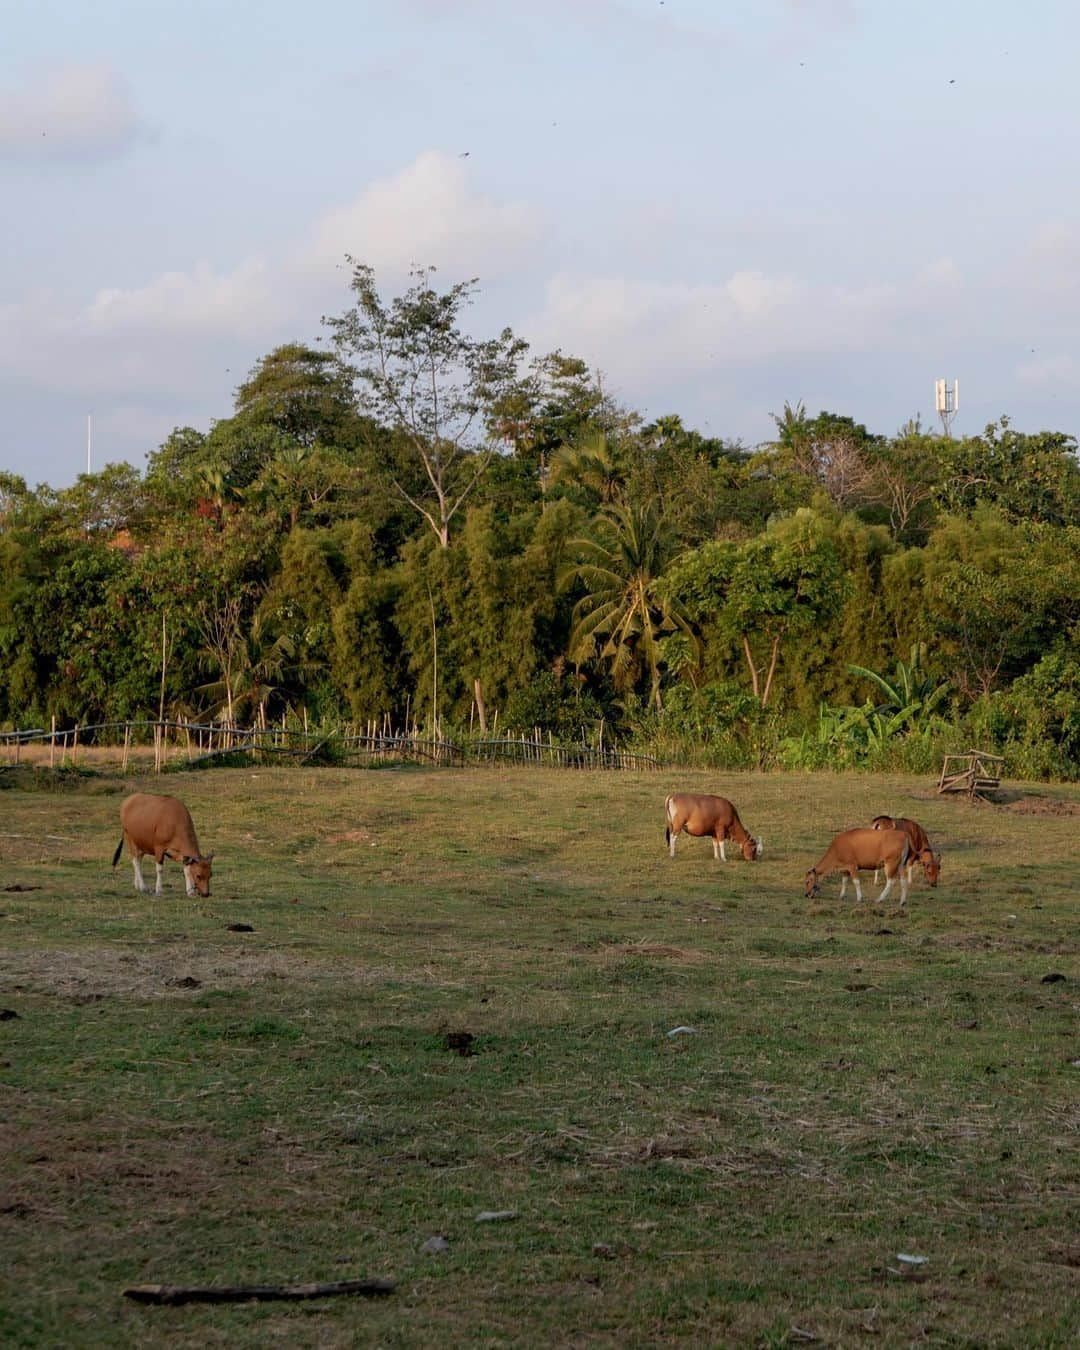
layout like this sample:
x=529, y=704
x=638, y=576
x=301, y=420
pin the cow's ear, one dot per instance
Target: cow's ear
x=189, y=861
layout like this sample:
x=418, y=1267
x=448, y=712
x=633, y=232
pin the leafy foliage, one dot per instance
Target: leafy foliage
x=423, y=524
x=623, y=615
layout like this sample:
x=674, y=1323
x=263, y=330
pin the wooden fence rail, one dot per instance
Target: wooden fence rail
x=194, y=743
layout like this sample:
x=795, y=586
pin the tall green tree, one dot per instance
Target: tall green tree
x=765, y=593
x=422, y=375
x=1025, y=477
x=624, y=614
x=305, y=393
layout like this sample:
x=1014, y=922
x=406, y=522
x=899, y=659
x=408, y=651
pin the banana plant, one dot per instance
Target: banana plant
x=911, y=697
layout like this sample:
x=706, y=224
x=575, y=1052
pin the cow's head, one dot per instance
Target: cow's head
x=812, y=887
x=751, y=848
x=931, y=863
x=198, y=870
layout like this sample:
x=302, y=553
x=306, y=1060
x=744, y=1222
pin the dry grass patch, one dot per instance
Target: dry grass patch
x=289, y=1103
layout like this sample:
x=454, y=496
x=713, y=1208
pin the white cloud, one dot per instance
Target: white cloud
x=238, y=302
x=1054, y=261
x=429, y=212
x=1054, y=239
x=829, y=13
x=942, y=273
x=175, y=334
x=753, y=294
x=76, y=113
x=648, y=335
x=1045, y=372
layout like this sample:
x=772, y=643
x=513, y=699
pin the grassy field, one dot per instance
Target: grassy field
x=181, y=1103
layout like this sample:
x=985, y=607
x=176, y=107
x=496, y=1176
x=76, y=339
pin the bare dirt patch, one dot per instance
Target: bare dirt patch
x=623, y=949
x=1043, y=806
x=89, y=973
x=350, y=837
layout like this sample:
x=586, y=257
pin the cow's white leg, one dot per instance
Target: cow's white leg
x=903, y=891
x=858, y=889
x=140, y=885
x=843, y=885
x=910, y=871
x=159, y=867
x=188, y=880
x=876, y=871
x=723, y=855
x=888, y=886
x=672, y=836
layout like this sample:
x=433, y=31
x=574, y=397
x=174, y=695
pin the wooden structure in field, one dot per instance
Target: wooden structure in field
x=974, y=772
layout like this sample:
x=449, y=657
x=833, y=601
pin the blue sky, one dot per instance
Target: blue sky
x=722, y=206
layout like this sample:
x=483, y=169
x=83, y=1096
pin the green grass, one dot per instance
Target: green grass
x=861, y=1082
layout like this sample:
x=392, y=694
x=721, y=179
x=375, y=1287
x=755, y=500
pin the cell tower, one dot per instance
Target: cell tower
x=947, y=402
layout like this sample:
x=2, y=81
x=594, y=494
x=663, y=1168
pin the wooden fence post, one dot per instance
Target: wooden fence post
x=52, y=742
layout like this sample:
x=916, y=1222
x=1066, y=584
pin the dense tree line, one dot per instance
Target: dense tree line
x=415, y=523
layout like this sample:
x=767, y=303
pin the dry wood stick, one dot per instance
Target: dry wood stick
x=173, y=1294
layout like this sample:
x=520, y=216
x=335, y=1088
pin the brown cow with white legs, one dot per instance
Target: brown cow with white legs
x=855, y=851
x=705, y=816
x=162, y=827
x=920, y=846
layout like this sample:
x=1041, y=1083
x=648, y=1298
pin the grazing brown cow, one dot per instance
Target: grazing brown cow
x=920, y=846
x=855, y=851
x=162, y=827
x=705, y=816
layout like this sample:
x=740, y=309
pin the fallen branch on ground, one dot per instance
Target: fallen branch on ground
x=173, y=1294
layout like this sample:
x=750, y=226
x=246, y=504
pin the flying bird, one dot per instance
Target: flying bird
x=464, y=154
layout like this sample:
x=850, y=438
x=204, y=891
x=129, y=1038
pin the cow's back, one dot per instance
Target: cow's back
x=915, y=832
x=701, y=812
x=869, y=846
x=153, y=820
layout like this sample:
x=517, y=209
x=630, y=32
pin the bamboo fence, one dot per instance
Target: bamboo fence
x=189, y=743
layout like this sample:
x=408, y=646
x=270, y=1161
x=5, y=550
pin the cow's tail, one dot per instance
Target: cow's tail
x=119, y=850
x=905, y=852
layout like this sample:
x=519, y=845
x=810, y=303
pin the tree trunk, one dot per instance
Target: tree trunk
x=753, y=668
x=772, y=671
x=481, y=710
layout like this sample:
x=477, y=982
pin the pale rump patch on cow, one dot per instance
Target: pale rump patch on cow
x=161, y=827
x=855, y=851
x=704, y=816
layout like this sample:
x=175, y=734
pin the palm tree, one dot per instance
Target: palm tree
x=623, y=616
x=251, y=667
x=592, y=465
x=792, y=425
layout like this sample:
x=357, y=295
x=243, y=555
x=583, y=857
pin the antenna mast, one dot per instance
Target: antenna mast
x=947, y=402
